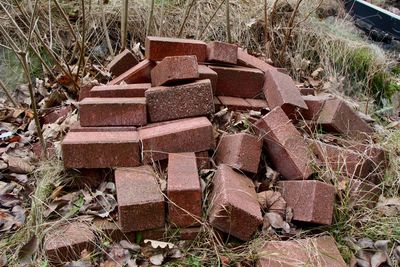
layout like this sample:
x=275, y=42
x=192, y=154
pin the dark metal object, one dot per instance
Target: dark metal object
x=380, y=23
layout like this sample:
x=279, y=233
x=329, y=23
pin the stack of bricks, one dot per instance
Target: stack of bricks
x=159, y=110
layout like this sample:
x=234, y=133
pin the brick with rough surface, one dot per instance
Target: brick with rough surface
x=76, y=127
x=240, y=151
x=234, y=103
x=234, y=206
x=177, y=69
x=112, y=230
x=286, y=148
x=337, y=116
x=180, y=101
x=239, y=81
x=281, y=91
x=207, y=73
x=157, y=48
x=66, y=242
x=257, y=104
x=186, y=135
x=311, y=201
x=140, y=200
x=183, y=190
x=123, y=90
x=319, y=252
x=101, y=149
x=244, y=59
x=113, y=111
x=137, y=74
x=122, y=62
x=222, y=52
x=314, y=105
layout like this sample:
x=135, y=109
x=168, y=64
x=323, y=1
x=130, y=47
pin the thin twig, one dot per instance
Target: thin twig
x=160, y=29
x=211, y=18
x=81, y=61
x=228, y=22
x=150, y=20
x=124, y=24
x=105, y=29
x=187, y=12
x=7, y=92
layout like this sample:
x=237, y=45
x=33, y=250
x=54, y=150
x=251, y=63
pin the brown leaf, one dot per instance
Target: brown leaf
x=27, y=250
x=19, y=165
x=378, y=258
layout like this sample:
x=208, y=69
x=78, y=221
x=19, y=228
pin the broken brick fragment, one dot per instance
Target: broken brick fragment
x=257, y=104
x=234, y=103
x=137, y=74
x=314, y=105
x=336, y=116
x=122, y=90
x=183, y=190
x=281, y=91
x=159, y=139
x=233, y=202
x=239, y=81
x=157, y=48
x=122, y=62
x=247, y=60
x=240, y=151
x=286, y=148
x=319, y=251
x=112, y=230
x=66, y=242
x=113, y=111
x=175, y=69
x=207, y=73
x=140, y=200
x=311, y=201
x=53, y=116
x=180, y=101
x=87, y=149
x=222, y=52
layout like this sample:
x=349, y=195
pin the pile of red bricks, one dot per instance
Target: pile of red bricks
x=159, y=110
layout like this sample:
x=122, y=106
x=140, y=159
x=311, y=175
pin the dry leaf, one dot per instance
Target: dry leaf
x=157, y=259
x=158, y=244
x=27, y=250
x=378, y=258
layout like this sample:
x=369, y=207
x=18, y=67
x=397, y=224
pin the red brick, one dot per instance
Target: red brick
x=203, y=160
x=157, y=48
x=286, y=147
x=122, y=62
x=222, y=52
x=56, y=114
x=343, y=161
x=113, y=111
x=183, y=190
x=338, y=117
x=78, y=128
x=123, y=90
x=311, y=201
x=281, y=91
x=234, y=103
x=257, y=104
x=101, y=149
x=239, y=81
x=234, y=206
x=314, y=104
x=247, y=60
x=140, y=200
x=66, y=242
x=306, y=91
x=321, y=251
x=207, y=73
x=240, y=151
x=180, y=101
x=175, y=69
x=113, y=231
x=194, y=134
x=359, y=193
x=85, y=90
x=137, y=74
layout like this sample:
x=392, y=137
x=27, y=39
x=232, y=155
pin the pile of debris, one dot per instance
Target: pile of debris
x=191, y=108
